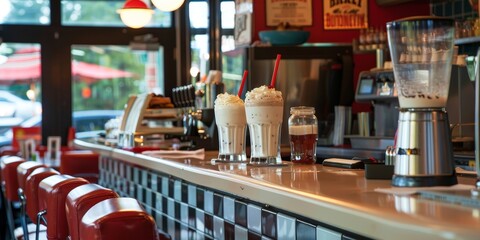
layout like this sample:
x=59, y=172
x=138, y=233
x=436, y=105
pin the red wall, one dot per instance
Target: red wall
x=377, y=17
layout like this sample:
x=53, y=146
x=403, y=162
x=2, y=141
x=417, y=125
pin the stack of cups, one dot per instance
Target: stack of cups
x=364, y=124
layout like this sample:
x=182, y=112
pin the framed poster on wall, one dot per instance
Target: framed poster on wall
x=293, y=12
x=243, y=22
x=341, y=15
x=243, y=29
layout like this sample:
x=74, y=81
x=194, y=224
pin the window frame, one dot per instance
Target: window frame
x=56, y=41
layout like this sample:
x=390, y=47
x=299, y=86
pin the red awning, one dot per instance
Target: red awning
x=26, y=67
x=94, y=71
x=20, y=67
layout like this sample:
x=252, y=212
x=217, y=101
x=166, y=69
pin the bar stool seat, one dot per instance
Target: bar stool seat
x=31, y=189
x=25, y=169
x=52, y=194
x=9, y=186
x=80, y=200
x=9, y=176
x=80, y=163
x=117, y=218
x=9, y=151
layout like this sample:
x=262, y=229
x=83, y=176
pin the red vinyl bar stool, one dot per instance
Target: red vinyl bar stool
x=9, y=176
x=117, y=219
x=9, y=166
x=80, y=163
x=23, y=171
x=52, y=194
x=80, y=200
x=31, y=191
x=9, y=151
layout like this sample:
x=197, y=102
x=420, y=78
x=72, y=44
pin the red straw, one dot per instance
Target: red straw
x=275, y=70
x=245, y=73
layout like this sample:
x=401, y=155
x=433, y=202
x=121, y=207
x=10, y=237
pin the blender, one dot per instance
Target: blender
x=421, y=49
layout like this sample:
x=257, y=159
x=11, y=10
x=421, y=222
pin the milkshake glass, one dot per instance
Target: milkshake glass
x=264, y=108
x=232, y=125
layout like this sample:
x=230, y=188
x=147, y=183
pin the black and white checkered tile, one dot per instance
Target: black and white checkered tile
x=190, y=211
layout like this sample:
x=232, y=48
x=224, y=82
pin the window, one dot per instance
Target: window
x=20, y=86
x=79, y=41
x=20, y=80
x=104, y=13
x=25, y=12
x=103, y=77
x=227, y=9
x=203, y=51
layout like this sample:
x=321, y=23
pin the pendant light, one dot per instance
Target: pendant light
x=168, y=5
x=135, y=13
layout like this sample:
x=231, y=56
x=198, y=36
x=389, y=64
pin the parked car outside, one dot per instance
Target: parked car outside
x=83, y=122
x=14, y=106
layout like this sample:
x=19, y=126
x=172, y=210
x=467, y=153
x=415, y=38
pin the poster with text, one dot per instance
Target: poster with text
x=345, y=14
x=243, y=29
x=293, y=12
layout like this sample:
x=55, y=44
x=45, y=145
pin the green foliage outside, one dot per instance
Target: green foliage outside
x=108, y=93
x=105, y=93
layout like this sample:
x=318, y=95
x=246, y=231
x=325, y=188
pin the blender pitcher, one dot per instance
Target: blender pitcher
x=421, y=50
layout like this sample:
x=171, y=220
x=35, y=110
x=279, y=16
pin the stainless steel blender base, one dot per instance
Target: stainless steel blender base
x=424, y=181
x=424, y=155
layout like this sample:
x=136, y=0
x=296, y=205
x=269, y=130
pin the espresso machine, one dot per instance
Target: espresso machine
x=421, y=49
x=378, y=88
x=198, y=122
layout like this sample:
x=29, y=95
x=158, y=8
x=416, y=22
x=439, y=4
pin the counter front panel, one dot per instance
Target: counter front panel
x=191, y=211
x=193, y=198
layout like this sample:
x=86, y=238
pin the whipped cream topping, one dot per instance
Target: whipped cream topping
x=263, y=95
x=228, y=99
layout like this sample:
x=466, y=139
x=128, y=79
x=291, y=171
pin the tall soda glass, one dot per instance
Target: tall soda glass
x=232, y=125
x=264, y=108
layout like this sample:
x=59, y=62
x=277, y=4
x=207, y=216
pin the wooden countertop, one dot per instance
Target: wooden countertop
x=339, y=197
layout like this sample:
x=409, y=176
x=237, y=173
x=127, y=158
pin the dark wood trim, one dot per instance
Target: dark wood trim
x=214, y=36
x=183, y=57
x=56, y=42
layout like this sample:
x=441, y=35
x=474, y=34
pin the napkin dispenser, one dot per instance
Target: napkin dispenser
x=150, y=120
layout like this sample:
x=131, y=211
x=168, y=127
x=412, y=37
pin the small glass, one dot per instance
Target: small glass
x=303, y=132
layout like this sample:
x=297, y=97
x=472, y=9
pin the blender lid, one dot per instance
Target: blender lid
x=437, y=20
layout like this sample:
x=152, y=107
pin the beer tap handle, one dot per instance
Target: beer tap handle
x=186, y=101
x=175, y=98
x=186, y=97
x=180, y=97
x=191, y=95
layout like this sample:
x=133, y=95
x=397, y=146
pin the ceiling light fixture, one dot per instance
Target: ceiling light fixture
x=135, y=13
x=168, y=5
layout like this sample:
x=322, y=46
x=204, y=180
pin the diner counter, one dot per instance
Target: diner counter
x=339, y=198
